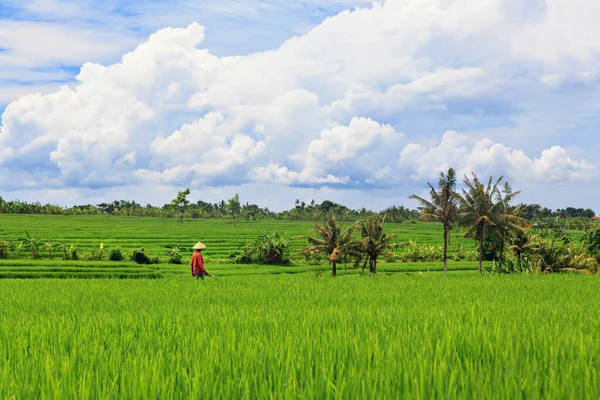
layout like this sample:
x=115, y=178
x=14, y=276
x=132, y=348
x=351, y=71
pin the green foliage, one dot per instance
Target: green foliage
x=373, y=241
x=174, y=255
x=269, y=248
x=181, y=202
x=138, y=256
x=73, y=255
x=96, y=254
x=4, y=246
x=233, y=207
x=49, y=248
x=311, y=257
x=32, y=244
x=591, y=242
x=331, y=235
x=386, y=337
x=442, y=206
x=415, y=252
x=245, y=256
x=272, y=248
x=115, y=254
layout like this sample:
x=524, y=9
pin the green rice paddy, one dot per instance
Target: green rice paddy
x=156, y=236
x=257, y=332
x=417, y=336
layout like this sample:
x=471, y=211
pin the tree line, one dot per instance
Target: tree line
x=181, y=208
x=483, y=210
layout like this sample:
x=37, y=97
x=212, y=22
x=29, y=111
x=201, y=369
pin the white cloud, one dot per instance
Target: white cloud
x=325, y=108
x=38, y=44
x=487, y=157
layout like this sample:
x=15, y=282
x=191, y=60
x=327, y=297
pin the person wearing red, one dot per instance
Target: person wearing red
x=198, y=270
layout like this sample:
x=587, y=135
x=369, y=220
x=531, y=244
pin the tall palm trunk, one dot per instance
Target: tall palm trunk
x=500, y=254
x=481, y=235
x=373, y=265
x=333, y=269
x=445, y=253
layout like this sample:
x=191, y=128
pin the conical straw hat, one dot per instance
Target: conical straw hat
x=199, y=246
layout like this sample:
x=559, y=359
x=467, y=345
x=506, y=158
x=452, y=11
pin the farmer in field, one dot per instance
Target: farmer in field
x=198, y=270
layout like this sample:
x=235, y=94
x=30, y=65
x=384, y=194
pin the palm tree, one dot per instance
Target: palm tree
x=330, y=237
x=507, y=220
x=523, y=242
x=373, y=241
x=442, y=207
x=478, y=211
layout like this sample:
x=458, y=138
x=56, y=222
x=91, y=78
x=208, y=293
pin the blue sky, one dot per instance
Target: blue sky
x=348, y=100
x=235, y=29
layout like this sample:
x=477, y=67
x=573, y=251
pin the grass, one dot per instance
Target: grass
x=156, y=236
x=258, y=331
x=302, y=336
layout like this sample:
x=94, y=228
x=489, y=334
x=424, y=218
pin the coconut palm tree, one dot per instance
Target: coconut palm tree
x=523, y=242
x=442, y=206
x=478, y=210
x=331, y=236
x=508, y=221
x=373, y=241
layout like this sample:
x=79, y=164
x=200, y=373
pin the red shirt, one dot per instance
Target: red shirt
x=198, y=264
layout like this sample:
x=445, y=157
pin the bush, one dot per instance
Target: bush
x=115, y=254
x=4, y=248
x=591, y=242
x=175, y=255
x=245, y=257
x=140, y=257
x=312, y=257
x=272, y=248
x=73, y=253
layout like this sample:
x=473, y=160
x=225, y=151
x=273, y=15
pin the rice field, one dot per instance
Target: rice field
x=156, y=236
x=306, y=336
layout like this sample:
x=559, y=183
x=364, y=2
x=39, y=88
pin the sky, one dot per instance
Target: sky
x=354, y=101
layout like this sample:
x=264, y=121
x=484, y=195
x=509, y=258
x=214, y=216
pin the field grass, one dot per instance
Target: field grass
x=259, y=331
x=417, y=336
x=156, y=236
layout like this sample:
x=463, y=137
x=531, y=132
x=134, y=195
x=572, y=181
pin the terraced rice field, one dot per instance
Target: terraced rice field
x=258, y=332
x=418, y=336
x=156, y=236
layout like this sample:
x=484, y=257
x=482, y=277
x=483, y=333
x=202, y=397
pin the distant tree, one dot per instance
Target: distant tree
x=571, y=212
x=222, y=207
x=442, y=206
x=234, y=208
x=181, y=202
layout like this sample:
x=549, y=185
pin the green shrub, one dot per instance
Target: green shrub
x=4, y=244
x=245, y=257
x=139, y=257
x=312, y=257
x=272, y=248
x=73, y=253
x=591, y=242
x=175, y=255
x=115, y=254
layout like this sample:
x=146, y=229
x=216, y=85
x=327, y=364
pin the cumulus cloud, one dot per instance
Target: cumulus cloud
x=323, y=109
x=487, y=157
x=361, y=153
